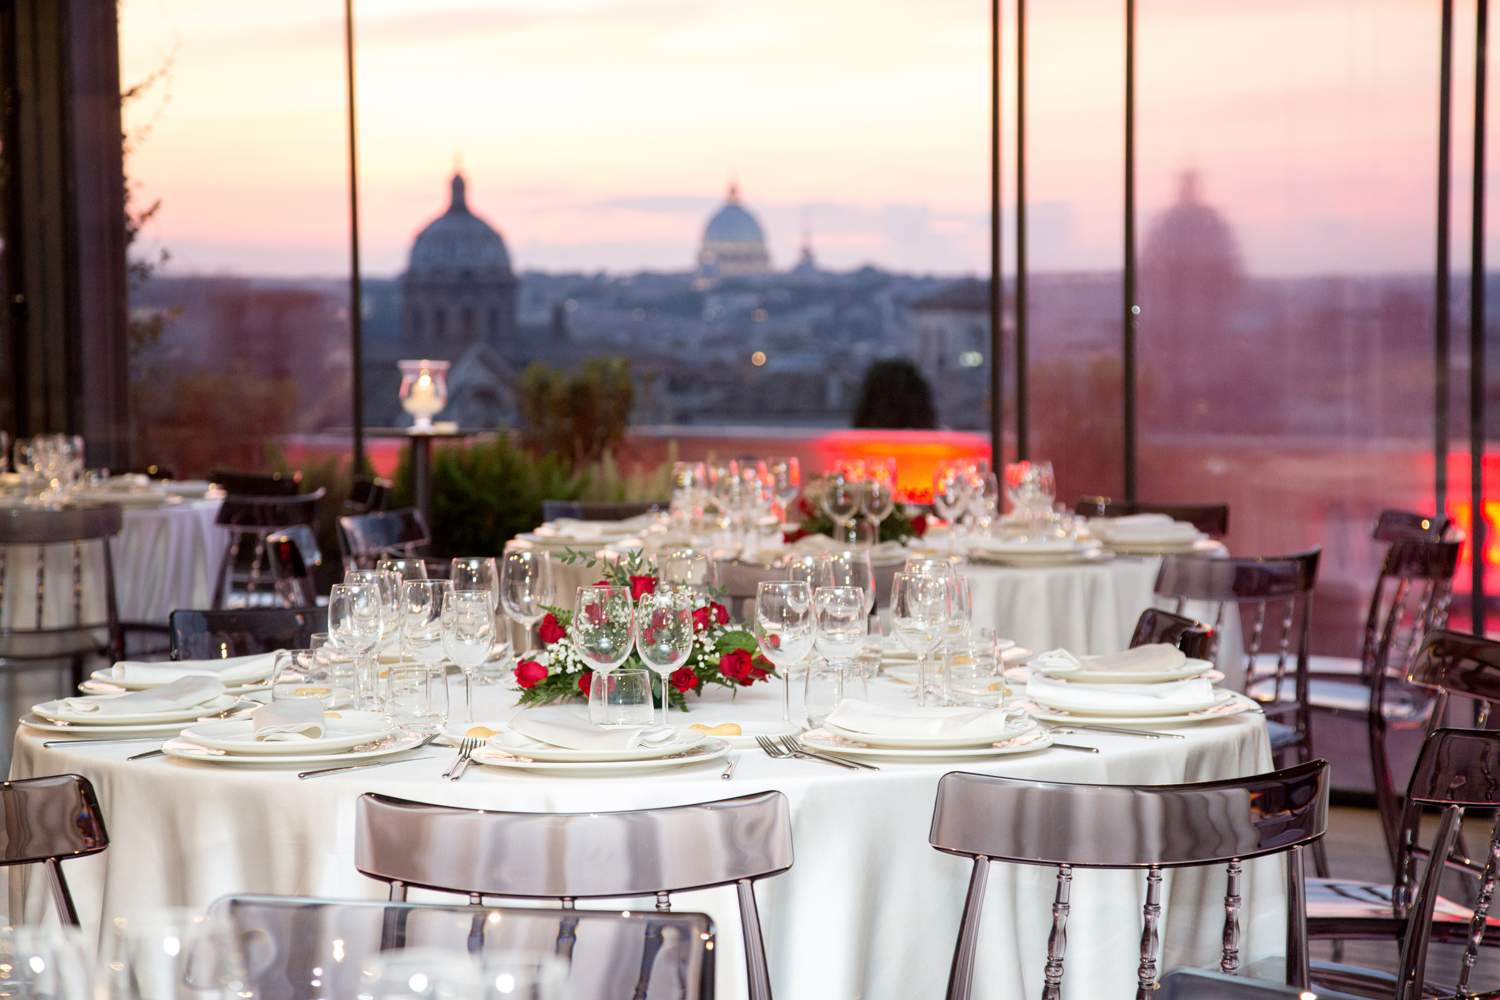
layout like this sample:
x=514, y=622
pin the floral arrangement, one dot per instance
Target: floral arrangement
x=723, y=654
x=812, y=519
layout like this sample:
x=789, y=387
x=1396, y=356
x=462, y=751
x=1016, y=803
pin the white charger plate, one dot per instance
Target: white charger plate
x=1078, y=675
x=708, y=750
x=1011, y=730
x=54, y=711
x=105, y=677
x=188, y=750
x=99, y=732
x=1235, y=704
x=684, y=740
x=750, y=730
x=94, y=686
x=237, y=736
x=1034, y=738
x=1220, y=697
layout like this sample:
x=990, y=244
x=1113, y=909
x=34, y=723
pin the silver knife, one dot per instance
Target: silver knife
x=123, y=739
x=1120, y=731
x=734, y=759
x=1074, y=746
x=376, y=763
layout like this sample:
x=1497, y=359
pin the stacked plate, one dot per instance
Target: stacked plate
x=991, y=733
x=512, y=750
x=59, y=718
x=240, y=675
x=1148, y=535
x=1171, y=694
x=900, y=664
x=1035, y=552
x=348, y=737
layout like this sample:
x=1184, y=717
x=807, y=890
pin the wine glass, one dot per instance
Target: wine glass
x=950, y=498
x=784, y=628
x=839, y=613
x=468, y=635
x=173, y=954
x=879, y=497
x=476, y=573
x=603, y=633
x=804, y=568
x=849, y=568
x=841, y=499
x=985, y=501
x=919, y=617
x=388, y=586
x=526, y=587
x=354, y=626
x=422, y=619
x=406, y=569
x=45, y=963
x=687, y=567
x=786, y=478
x=664, y=634
x=961, y=608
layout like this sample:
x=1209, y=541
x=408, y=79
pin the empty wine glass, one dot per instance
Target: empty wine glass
x=839, y=613
x=985, y=501
x=422, y=619
x=476, y=573
x=961, y=610
x=879, y=497
x=849, y=568
x=388, y=586
x=786, y=478
x=681, y=567
x=919, y=617
x=784, y=629
x=603, y=633
x=841, y=499
x=468, y=635
x=406, y=569
x=803, y=568
x=664, y=634
x=44, y=963
x=526, y=587
x=950, y=498
x=354, y=626
x=172, y=954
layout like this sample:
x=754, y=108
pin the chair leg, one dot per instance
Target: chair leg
x=1320, y=859
x=64, y=899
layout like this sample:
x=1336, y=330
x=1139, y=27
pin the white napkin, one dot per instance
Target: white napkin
x=555, y=725
x=292, y=719
x=180, y=694
x=232, y=670
x=1028, y=546
x=1147, y=659
x=1144, y=529
x=1186, y=696
x=878, y=720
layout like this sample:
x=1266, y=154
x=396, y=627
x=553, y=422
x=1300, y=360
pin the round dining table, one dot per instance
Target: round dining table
x=867, y=910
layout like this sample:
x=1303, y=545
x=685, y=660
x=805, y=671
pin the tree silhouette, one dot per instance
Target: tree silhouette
x=895, y=395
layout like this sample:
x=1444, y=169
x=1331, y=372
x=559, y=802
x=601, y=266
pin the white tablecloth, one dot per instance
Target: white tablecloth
x=868, y=910
x=167, y=558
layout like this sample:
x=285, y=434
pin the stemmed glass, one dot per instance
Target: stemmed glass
x=686, y=567
x=950, y=498
x=879, y=497
x=786, y=478
x=388, y=586
x=985, y=501
x=174, y=954
x=804, y=568
x=840, y=616
x=919, y=616
x=476, y=573
x=526, y=587
x=468, y=635
x=664, y=634
x=406, y=569
x=784, y=628
x=841, y=499
x=354, y=626
x=849, y=568
x=961, y=611
x=603, y=633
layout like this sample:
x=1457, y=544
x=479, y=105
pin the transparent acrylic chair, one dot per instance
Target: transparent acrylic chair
x=1145, y=827
x=572, y=856
x=295, y=948
x=48, y=820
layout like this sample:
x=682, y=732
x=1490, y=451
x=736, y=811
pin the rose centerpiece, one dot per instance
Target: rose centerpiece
x=722, y=654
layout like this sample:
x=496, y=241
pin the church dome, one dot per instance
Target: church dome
x=733, y=242
x=458, y=240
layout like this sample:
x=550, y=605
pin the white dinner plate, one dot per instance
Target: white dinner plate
x=1020, y=560
x=1078, y=675
x=1235, y=704
x=683, y=741
x=1140, y=709
x=454, y=732
x=1013, y=728
x=55, y=711
x=95, y=686
x=1035, y=738
x=750, y=730
x=237, y=736
x=99, y=732
x=709, y=749
x=188, y=750
x=104, y=677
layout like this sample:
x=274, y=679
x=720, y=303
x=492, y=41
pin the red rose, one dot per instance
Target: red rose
x=550, y=630
x=721, y=614
x=702, y=618
x=760, y=668
x=791, y=537
x=735, y=664
x=594, y=613
x=684, y=680
x=585, y=682
x=641, y=585
x=919, y=525
x=603, y=583
x=529, y=672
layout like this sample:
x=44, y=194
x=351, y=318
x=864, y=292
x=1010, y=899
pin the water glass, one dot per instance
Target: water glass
x=687, y=567
x=422, y=619
x=823, y=689
x=44, y=963
x=974, y=675
x=172, y=955
x=664, y=634
x=526, y=587
x=784, y=629
x=354, y=627
x=418, y=701
x=625, y=697
x=919, y=617
x=842, y=492
x=603, y=634
x=301, y=673
x=849, y=568
x=840, y=622
x=468, y=636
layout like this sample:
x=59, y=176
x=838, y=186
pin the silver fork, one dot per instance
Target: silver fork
x=794, y=747
x=465, y=758
x=774, y=750
x=466, y=746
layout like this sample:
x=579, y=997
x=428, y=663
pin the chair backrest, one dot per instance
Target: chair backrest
x=1210, y=518
x=578, y=510
x=47, y=820
x=249, y=484
x=368, y=495
x=1458, y=663
x=568, y=856
x=1189, y=635
x=67, y=634
x=208, y=635
x=1405, y=525
x=264, y=514
x=259, y=518
x=288, y=942
x=367, y=537
x=1151, y=827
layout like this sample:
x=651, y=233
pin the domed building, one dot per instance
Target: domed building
x=733, y=242
x=458, y=289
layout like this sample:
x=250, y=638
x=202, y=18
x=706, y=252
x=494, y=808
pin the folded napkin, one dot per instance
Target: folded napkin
x=232, y=670
x=1138, y=660
x=289, y=720
x=1144, y=529
x=1027, y=546
x=878, y=720
x=180, y=694
x=555, y=725
x=1185, y=696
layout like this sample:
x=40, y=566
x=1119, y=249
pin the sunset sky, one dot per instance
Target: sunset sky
x=601, y=133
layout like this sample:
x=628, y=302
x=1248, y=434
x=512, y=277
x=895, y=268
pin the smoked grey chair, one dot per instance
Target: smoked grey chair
x=367, y=538
x=274, y=526
x=572, y=856
x=1141, y=827
x=1157, y=626
x=47, y=820
x=209, y=635
x=295, y=948
x=1210, y=518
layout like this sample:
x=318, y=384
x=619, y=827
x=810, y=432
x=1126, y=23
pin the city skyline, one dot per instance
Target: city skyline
x=600, y=135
